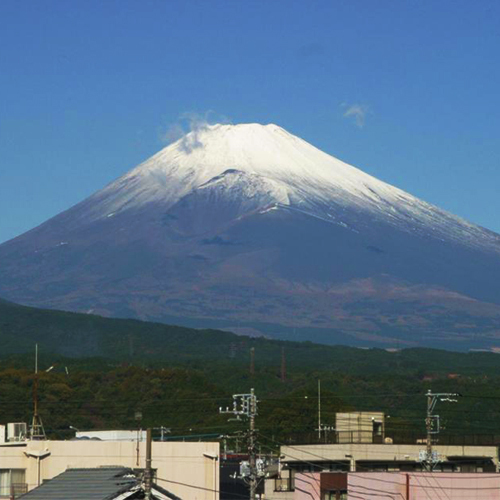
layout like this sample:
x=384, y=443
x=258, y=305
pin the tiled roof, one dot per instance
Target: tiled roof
x=102, y=483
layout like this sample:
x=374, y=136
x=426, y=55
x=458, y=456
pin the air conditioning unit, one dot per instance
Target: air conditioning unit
x=17, y=431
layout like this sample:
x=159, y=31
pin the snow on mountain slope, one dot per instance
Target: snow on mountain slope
x=229, y=196
x=250, y=225
x=291, y=171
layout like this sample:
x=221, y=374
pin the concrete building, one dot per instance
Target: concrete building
x=189, y=470
x=359, y=444
x=119, y=435
x=387, y=457
x=360, y=427
x=396, y=485
x=361, y=457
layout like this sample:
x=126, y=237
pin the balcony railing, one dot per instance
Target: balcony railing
x=18, y=489
x=14, y=490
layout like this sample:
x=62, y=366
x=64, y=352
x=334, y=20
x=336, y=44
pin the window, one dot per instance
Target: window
x=377, y=428
x=13, y=482
x=286, y=482
x=283, y=484
x=335, y=495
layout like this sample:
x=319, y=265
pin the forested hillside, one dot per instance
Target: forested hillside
x=73, y=335
x=105, y=370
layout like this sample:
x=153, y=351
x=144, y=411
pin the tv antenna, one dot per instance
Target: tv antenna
x=37, y=432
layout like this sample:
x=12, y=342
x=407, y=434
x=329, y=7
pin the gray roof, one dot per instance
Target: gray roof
x=85, y=484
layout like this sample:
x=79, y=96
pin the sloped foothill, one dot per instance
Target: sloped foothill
x=179, y=377
x=85, y=336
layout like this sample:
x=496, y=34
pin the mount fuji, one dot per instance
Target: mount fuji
x=250, y=228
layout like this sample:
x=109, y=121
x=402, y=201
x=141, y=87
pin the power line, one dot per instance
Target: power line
x=346, y=447
x=212, y=490
x=246, y=405
x=414, y=474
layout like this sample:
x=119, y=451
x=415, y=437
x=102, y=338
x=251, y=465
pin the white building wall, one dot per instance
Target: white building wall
x=185, y=469
x=113, y=435
x=358, y=427
x=381, y=452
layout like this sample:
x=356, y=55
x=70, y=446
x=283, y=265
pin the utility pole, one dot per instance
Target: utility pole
x=148, y=473
x=252, y=450
x=428, y=426
x=138, y=418
x=432, y=425
x=246, y=405
x=37, y=432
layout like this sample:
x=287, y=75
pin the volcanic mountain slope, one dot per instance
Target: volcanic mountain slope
x=248, y=226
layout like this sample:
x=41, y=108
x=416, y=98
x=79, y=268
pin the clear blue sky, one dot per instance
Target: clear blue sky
x=87, y=88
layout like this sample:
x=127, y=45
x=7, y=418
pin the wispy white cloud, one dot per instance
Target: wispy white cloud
x=357, y=113
x=189, y=127
x=173, y=133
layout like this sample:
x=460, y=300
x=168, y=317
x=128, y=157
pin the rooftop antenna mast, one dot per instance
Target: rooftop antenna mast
x=37, y=432
x=322, y=427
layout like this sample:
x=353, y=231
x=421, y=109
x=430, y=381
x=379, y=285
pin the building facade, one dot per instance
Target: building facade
x=190, y=470
x=360, y=427
x=396, y=485
x=300, y=460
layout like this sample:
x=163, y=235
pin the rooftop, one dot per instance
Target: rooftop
x=103, y=483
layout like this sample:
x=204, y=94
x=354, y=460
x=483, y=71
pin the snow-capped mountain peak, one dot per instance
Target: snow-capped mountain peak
x=248, y=224
x=288, y=169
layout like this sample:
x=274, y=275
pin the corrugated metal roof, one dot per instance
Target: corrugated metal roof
x=103, y=483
